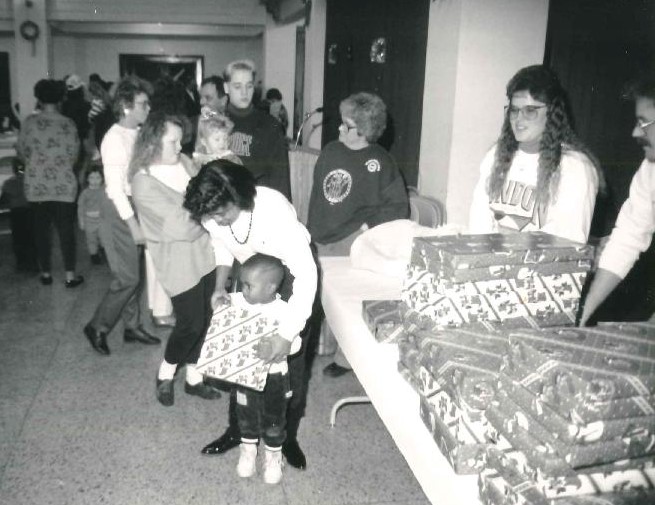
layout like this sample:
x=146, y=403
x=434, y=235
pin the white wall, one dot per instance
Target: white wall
x=85, y=55
x=280, y=62
x=474, y=48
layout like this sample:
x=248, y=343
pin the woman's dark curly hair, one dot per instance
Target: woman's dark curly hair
x=558, y=137
x=147, y=148
x=219, y=183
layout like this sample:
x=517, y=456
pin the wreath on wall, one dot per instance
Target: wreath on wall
x=29, y=30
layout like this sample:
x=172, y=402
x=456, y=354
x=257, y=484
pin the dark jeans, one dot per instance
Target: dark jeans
x=262, y=414
x=193, y=313
x=21, y=222
x=62, y=214
x=126, y=297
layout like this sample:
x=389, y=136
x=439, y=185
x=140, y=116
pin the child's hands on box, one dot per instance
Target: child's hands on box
x=273, y=349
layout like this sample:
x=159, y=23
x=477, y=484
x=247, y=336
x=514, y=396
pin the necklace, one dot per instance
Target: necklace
x=247, y=235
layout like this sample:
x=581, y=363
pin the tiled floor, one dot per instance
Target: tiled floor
x=78, y=428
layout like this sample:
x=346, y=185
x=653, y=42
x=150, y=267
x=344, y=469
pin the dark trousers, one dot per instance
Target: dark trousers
x=262, y=414
x=193, y=313
x=126, y=297
x=21, y=223
x=62, y=215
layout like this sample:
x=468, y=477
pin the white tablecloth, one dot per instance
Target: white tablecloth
x=375, y=364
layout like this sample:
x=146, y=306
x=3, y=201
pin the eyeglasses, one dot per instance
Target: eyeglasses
x=643, y=125
x=530, y=112
x=144, y=103
x=347, y=127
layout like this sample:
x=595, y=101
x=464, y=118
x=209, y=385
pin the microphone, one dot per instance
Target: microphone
x=304, y=121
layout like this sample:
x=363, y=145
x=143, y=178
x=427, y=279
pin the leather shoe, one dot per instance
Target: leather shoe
x=293, y=454
x=132, y=335
x=334, y=370
x=98, y=339
x=202, y=390
x=74, y=282
x=222, y=444
x=165, y=392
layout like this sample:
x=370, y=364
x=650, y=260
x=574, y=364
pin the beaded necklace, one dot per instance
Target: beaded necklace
x=247, y=235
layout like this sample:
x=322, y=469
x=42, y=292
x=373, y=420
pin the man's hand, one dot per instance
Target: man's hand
x=274, y=349
x=220, y=297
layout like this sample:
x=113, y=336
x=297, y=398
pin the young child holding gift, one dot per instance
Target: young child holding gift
x=263, y=414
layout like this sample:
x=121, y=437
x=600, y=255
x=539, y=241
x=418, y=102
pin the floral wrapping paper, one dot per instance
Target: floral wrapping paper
x=383, y=318
x=507, y=417
x=229, y=350
x=577, y=365
x=501, y=483
x=566, y=428
x=527, y=279
x=462, y=441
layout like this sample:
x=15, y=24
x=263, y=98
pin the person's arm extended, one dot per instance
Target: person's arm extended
x=603, y=284
x=220, y=295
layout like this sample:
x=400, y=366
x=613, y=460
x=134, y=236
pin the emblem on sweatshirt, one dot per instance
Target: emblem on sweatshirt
x=373, y=165
x=337, y=185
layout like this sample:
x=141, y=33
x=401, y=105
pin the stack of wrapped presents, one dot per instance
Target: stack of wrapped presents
x=543, y=411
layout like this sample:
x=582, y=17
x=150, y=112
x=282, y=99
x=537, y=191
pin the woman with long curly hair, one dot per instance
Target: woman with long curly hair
x=180, y=249
x=539, y=175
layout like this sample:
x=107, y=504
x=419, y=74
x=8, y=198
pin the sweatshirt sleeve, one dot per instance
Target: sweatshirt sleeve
x=569, y=215
x=481, y=217
x=635, y=225
x=289, y=242
x=394, y=202
x=115, y=161
x=161, y=214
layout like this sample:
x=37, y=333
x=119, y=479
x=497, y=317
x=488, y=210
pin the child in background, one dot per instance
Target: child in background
x=263, y=414
x=89, y=204
x=21, y=220
x=214, y=139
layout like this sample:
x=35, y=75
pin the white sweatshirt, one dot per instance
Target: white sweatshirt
x=569, y=213
x=635, y=225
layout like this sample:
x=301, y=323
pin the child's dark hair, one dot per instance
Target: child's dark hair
x=94, y=169
x=270, y=265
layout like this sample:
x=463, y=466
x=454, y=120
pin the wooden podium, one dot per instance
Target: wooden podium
x=301, y=167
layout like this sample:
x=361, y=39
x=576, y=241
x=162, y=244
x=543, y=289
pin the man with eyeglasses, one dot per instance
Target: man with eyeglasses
x=633, y=231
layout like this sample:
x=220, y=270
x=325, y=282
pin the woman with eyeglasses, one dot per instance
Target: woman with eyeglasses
x=539, y=175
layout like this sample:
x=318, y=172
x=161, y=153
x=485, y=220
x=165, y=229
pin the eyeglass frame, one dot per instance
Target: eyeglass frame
x=348, y=127
x=643, y=126
x=533, y=109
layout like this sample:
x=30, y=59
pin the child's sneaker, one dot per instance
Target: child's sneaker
x=247, y=459
x=272, y=465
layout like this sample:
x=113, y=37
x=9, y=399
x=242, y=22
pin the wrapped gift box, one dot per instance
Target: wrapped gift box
x=383, y=319
x=409, y=376
x=585, y=365
x=506, y=414
x=535, y=301
x=570, y=429
x=559, y=392
x=503, y=483
x=459, y=252
x=229, y=351
x=529, y=280
x=462, y=442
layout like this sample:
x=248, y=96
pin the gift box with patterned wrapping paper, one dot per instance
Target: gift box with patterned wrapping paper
x=462, y=440
x=585, y=364
x=383, y=319
x=229, y=351
x=502, y=483
x=519, y=279
x=506, y=416
x=570, y=429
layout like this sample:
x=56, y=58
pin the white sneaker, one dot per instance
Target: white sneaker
x=272, y=466
x=247, y=460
